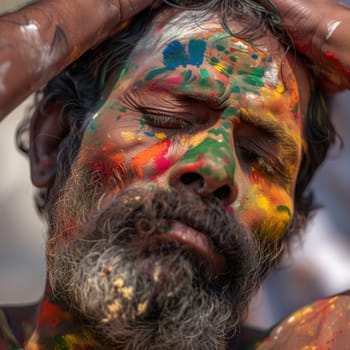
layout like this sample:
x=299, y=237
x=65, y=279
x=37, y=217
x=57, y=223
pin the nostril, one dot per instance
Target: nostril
x=191, y=178
x=223, y=192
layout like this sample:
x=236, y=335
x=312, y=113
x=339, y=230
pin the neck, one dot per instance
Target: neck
x=59, y=329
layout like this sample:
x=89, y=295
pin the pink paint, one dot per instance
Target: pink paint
x=162, y=163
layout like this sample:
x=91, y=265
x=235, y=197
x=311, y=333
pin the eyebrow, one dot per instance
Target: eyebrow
x=276, y=131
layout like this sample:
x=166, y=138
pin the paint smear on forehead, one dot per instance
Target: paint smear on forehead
x=181, y=25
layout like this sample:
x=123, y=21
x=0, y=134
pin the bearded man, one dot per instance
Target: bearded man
x=174, y=160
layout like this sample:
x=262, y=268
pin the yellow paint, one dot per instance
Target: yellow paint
x=280, y=89
x=119, y=283
x=160, y=136
x=220, y=67
x=198, y=139
x=128, y=136
x=127, y=292
x=73, y=341
x=141, y=308
x=156, y=274
x=115, y=307
x=263, y=203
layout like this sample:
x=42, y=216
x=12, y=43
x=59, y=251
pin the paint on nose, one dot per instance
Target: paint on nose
x=209, y=168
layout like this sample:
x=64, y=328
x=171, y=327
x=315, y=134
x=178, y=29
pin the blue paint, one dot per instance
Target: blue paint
x=175, y=55
x=149, y=133
x=255, y=56
x=188, y=76
x=196, y=50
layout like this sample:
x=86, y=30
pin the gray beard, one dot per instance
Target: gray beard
x=154, y=296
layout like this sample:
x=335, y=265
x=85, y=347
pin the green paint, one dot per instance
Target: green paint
x=235, y=90
x=122, y=110
x=258, y=71
x=113, y=105
x=221, y=87
x=92, y=127
x=205, y=170
x=253, y=80
x=283, y=208
x=98, y=143
x=60, y=343
x=213, y=61
x=226, y=125
x=296, y=108
x=229, y=112
x=220, y=47
x=155, y=72
x=204, y=82
x=233, y=58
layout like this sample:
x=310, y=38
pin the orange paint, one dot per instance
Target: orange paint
x=144, y=157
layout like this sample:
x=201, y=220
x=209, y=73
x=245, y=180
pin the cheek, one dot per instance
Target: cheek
x=267, y=210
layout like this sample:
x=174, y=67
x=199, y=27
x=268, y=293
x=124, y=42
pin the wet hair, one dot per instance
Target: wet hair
x=79, y=90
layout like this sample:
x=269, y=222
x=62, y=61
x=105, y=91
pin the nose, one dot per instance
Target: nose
x=207, y=176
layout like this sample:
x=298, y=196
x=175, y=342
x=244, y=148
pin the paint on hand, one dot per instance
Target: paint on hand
x=4, y=68
x=331, y=27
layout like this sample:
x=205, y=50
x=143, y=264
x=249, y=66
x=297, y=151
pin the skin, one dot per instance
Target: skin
x=212, y=138
x=40, y=40
x=205, y=104
x=199, y=103
x=319, y=31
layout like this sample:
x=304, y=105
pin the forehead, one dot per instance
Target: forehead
x=172, y=29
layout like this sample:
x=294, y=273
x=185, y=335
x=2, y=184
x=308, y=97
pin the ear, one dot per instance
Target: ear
x=47, y=130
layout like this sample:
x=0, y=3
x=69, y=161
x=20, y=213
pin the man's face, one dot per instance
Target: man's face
x=183, y=183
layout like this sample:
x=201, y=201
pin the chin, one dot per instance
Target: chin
x=135, y=291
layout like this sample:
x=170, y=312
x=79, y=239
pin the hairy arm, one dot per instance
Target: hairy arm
x=321, y=31
x=41, y=39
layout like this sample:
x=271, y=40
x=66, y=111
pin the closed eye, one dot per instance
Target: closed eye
x=165, y=121
x=257, y=155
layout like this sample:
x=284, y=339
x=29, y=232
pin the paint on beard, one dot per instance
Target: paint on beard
x=141, y=291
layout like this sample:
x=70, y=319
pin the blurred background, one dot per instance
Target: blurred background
x=22, y=264
x=318, y=266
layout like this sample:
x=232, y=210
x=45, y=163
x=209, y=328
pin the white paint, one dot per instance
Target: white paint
x=4, y=68
x=271, y=74
x=31, y=27
x=331, y=27
x=36, y=48
x=182, y=25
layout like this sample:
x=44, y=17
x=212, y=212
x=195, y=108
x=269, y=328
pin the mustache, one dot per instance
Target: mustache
x=145, y=214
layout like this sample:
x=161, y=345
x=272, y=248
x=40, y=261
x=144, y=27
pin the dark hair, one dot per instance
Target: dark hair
x=80, y=87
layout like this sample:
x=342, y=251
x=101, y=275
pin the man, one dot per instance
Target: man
x=181, y=178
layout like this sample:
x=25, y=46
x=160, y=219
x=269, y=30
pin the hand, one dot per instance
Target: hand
x=40, y=40
x=319, y=29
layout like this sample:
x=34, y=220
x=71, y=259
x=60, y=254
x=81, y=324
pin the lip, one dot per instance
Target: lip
x=199, y=244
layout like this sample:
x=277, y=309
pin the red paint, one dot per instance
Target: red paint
x=332, y=57
x=51, y=314
x=303, y=48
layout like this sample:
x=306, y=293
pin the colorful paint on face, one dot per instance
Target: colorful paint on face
x=175, y=54
x=211, y=104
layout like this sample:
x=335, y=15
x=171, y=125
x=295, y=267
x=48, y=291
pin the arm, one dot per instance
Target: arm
x=41, y=39
x=320, y=30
